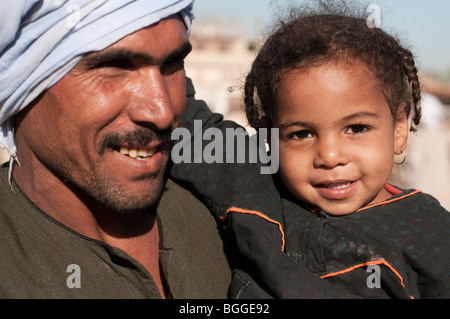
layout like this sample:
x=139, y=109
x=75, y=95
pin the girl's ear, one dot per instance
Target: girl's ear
x=401, y=130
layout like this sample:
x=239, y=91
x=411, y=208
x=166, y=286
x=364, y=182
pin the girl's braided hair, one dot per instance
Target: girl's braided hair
x=328, y=33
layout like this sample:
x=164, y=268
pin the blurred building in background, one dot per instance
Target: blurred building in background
x=222, y=56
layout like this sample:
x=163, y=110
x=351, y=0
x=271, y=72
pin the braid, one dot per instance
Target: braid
x=251, y=109
x=260, y=86
x=413, y=79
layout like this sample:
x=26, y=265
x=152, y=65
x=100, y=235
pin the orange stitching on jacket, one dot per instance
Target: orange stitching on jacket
x=368, y=263
x=252, y=212
x=389, y=201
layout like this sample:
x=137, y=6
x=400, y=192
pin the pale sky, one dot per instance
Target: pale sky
x=424, y=24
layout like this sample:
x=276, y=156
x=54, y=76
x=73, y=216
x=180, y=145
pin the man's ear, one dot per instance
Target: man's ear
x=401, y=130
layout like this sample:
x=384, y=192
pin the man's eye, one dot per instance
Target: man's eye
x=172, y=67
x=357, y=129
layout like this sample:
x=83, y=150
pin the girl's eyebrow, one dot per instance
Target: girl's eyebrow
x=348, y=118
x=296, y=123
x=359, y=115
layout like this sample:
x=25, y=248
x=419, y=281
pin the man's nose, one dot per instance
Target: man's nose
x=151, y=104
x=331, y=151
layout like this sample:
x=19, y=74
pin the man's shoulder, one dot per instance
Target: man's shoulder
x=179, y=206
x=193, y=236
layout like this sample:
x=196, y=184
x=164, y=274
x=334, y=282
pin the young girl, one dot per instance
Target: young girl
x=343, y=96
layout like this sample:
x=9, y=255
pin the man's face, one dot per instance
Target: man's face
x=105, y=127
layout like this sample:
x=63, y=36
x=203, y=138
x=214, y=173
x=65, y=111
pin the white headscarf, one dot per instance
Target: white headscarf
x=42, y=40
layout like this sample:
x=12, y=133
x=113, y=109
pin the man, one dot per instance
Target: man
x=91, y=90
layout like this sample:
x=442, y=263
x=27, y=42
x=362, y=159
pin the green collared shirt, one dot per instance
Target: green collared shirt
x=41, y=258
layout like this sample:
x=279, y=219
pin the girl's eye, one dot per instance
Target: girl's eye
x=357, y=129
x=301, y=134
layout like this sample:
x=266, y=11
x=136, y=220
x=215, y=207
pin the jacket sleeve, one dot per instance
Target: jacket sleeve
x=215, y=158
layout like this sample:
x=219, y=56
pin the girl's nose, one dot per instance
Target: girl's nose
x=331, y=152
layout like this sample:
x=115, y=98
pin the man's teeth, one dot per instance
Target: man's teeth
x=139, y=154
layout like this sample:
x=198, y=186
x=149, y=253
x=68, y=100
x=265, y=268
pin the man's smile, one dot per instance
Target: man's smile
x=140, y=154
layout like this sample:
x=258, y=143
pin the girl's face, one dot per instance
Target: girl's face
x=337, y=136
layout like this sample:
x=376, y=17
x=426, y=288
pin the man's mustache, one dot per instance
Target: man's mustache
x=140, y=137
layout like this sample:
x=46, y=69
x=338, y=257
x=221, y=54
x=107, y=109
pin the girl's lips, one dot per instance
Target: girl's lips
x=336, y=190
